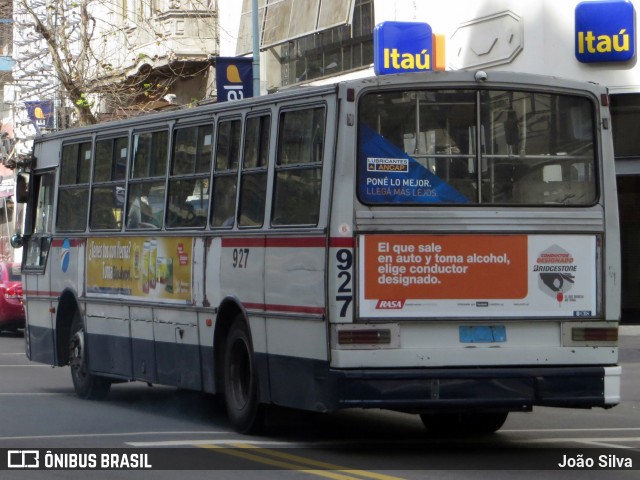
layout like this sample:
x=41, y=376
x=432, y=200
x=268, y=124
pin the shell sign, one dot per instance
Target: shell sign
x=401, y=47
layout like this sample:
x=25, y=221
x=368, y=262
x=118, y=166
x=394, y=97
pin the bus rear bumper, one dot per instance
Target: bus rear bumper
x=518, y=388
x=612, y=382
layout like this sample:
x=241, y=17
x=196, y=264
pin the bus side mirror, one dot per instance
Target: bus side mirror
x=17, y=240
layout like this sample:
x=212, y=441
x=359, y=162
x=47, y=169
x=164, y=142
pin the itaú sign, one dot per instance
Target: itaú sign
x=605, y=31
x=401, y=47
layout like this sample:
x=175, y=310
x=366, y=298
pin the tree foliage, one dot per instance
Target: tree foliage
x=100, y=56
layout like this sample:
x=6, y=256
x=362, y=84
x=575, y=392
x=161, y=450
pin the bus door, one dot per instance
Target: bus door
x=39, y=336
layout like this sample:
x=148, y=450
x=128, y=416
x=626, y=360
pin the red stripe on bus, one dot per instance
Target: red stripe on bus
x=289, y=242
x=296, y=242
x=253, y=306
x=273, y=242
x=244, y=242
x=269, y=307
x=342, y=242
x=39, y=293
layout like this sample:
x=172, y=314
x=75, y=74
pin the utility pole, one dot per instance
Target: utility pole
x=256, y=49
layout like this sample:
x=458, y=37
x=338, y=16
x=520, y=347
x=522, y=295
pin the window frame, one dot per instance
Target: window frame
x=492, y=142
x=196, y=174
x=73, y=185
x=228, y=174
x=284, y=169
x=147, y=183
x=260, y=169
x=114, y=181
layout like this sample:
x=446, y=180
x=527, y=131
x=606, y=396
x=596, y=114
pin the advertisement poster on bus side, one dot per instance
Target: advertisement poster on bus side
x=140, y=267
x=435, y=276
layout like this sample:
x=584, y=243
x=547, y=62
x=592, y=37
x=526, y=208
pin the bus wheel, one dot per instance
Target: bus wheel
x=446, y=423
x=483, y=422
x=443, y=423
x=241, y=381
x=85, y=384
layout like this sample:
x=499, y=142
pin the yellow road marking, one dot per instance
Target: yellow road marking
x=294, y=462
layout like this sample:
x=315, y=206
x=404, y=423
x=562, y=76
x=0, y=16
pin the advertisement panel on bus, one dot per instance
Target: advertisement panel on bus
x=145, y=267
x=478, y=275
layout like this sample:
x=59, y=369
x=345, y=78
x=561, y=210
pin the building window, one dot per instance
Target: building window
x=314, y=38
x=625, y=112
x=330, y=52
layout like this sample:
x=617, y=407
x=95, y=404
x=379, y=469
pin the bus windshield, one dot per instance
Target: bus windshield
x=476, y=147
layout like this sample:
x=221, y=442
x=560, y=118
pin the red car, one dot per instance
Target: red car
x=11, y=309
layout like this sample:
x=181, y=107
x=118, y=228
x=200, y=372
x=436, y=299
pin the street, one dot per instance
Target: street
x=187, y=431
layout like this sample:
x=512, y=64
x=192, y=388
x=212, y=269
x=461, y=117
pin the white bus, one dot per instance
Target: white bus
x=442, y=244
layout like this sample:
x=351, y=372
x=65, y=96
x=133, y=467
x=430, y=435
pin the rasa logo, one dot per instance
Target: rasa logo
x=406, y=47
x=234, y=78
x=390, y=305
x=605, y=31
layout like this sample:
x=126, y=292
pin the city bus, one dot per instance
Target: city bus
x=441, y=244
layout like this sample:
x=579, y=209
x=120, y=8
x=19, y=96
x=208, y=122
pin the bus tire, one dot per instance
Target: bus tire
x=241, y=380
x=479, y=423
x=86, y=385
x=483, y=422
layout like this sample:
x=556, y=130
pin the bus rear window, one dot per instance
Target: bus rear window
x=476, y=147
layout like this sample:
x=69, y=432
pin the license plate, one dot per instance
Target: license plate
x=483, y=334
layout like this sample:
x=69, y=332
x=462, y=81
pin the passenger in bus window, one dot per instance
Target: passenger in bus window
x=140, y=214
x=181, y=213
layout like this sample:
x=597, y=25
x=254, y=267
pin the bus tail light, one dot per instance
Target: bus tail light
x=359, y=336
x=364, y=337
x=594, y=334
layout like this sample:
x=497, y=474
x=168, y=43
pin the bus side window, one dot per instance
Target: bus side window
x=146, y=194
x=107, y=191
x=299, y=167
x=188, y=193
x=73, y=201
x=38, y=226
x=253, y=183
x=225, y=179
x=145, y=205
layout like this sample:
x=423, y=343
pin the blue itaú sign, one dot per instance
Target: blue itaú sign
x=401, y=47
x=605, y=31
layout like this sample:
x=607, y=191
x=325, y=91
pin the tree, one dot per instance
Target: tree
x=66, y=31
x=111, y=54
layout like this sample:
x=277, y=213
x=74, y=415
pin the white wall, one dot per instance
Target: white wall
x=547, y=28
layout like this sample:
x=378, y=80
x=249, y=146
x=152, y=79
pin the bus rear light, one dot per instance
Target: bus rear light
x=364, y=337
x=594, y=334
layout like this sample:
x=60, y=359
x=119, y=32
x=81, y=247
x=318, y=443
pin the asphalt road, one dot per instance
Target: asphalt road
x=181, y=430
